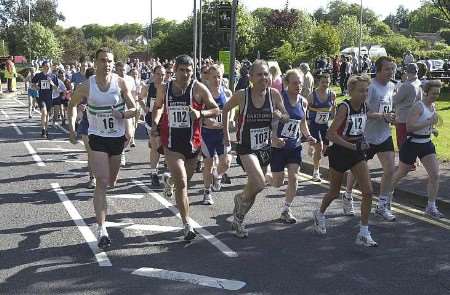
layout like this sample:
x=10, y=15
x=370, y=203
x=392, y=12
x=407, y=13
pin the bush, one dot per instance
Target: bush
x=20, y=78
x=433, y=54
x=445, y=34
x=396, y=45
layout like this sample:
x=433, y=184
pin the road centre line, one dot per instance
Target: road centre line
x=33, y=153
x=203, y=232
x=100, y=256
x=190, y=278
x=405, y=210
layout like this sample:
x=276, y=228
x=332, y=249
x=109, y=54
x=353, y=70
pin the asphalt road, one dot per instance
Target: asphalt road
x=47, y=244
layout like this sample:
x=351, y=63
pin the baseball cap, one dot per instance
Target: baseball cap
x=412, y=68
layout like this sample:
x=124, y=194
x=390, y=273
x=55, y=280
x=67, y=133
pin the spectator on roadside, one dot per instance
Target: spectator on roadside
x=10, y=74
x=277, y=81
x=428, y=64
x=408, y=58
x=336, y=63
x=408, y=93
x=446, y=65
x=308, y=81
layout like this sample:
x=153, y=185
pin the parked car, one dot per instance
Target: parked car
x=436, y=64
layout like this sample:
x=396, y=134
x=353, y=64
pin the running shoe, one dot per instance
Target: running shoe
x=433, y=212
x=104, y=242
x=238, y=225
x=92, y=183
x=189, y=233
x=383, y=211
x=347, y=205
x=43, y=133
x=316, y=177
x=198, y=168
x=46, y=134
x=319, y=222
x=207, y=198
x=365, y=240
x=155, y=181
x=168, y=186
x=287, y=217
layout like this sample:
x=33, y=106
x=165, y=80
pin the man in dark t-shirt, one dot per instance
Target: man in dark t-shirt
x=44, y=83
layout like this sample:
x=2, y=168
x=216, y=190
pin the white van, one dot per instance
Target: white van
x=376, y=51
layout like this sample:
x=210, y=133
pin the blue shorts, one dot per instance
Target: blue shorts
x=282, y=157
x=33, y=93
x=83, y=126
x=45, y=101
x=319, y=132
x=212, y=142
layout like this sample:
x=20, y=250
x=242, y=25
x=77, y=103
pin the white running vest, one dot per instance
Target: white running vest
x=99, y=109
x=426, y=115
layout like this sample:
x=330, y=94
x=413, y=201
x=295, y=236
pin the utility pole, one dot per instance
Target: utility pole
x=29, y=30
x=194, y=49
x=200, y=43
x=233, y=42
x=360, y=37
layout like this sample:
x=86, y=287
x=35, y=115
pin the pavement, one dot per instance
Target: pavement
x=47, y=222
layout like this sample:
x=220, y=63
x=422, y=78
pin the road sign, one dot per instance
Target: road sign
x=224, y=58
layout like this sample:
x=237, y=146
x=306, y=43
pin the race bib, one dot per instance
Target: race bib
x=179, y=117
x=106, y=123
x=219, y=118
x=45, y=84
x=290, y=129
x=358, y=124
x=259, y=138
x=322, y=117
x=385, y=107
x=152, y=103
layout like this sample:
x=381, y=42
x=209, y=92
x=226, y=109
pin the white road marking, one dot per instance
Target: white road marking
x=144, y=227
x=33, y=153
x=4, y=114
x=203, y=232
x=23, y=104
x=60, y=150
x=19, y=132
x=190, y=278
x=63, y=129
x=120, y=196
x=76, y=161
x=100, y=256
x=405, y=210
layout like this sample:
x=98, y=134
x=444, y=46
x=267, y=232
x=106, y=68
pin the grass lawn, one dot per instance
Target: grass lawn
x=442, y=142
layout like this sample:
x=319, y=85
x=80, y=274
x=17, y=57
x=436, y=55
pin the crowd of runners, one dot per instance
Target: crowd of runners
x=193, y=118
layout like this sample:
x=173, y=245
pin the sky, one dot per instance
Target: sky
x=109, y=12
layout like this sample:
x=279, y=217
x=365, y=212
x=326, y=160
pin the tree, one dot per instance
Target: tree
x=43, y=42
x=325, y=41
x=396, y=45
x=46, y=13
x=427, y=19
x=338, y=8
x=444, y=7
x=348, y=29
x=73, y=44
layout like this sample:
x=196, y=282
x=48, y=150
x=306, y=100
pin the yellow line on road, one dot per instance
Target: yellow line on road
x=396, y=207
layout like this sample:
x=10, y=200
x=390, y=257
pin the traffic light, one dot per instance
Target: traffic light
x=224, y=16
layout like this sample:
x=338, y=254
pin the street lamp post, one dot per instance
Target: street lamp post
x=194, y=49
x=200, y=35
x=360, y=37
x=29, y=30
x=233, y=42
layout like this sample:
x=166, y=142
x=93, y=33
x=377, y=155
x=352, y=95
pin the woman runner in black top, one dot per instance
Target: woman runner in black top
x=348, y=152
x=258, y=106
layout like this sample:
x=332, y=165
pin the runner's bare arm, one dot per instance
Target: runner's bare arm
x=413, y=115
x=129, y=100
x=158, y=107
x=332, y=133
x=235, y=100
x=142, y=97
x=212, y=109
x=279, y=109
x=80, y=94
x=304, y=125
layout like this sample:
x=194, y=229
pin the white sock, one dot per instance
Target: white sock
x=286, y=206
x=383, y=200
x=348, y=195
x=432, y=204
x=363, y=229
x=316, y=171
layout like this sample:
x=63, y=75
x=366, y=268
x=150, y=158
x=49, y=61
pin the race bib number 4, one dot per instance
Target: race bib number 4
x=106, y=123
x=290, y=129
x=179, y=117
x=322, y=117
x=385, y=107
x=259, y=138
x=358, y=124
